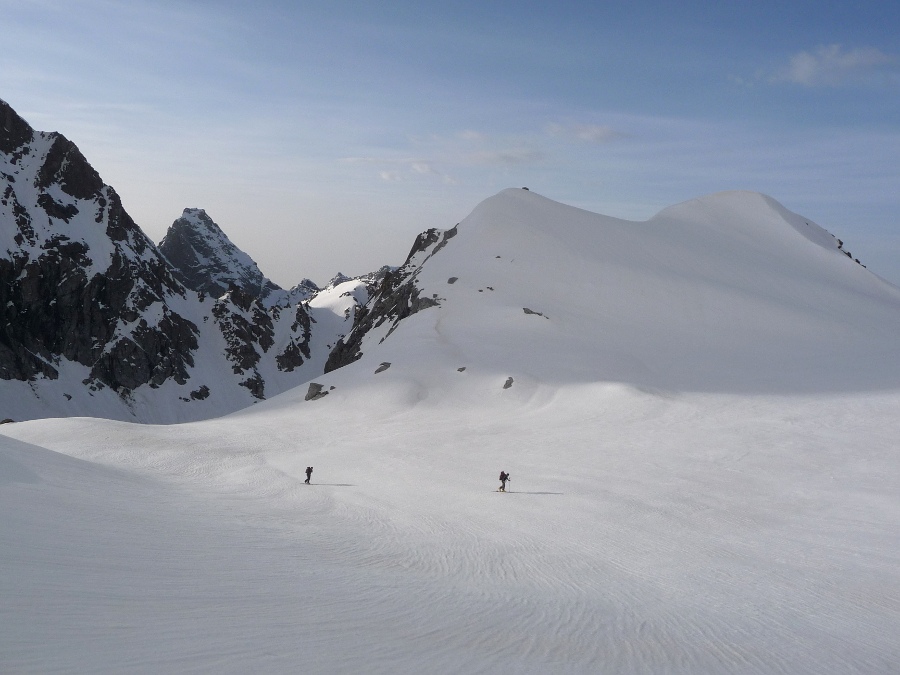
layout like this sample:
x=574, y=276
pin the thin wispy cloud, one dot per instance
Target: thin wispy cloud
x=585, y=133
x=397, y=169
x=436, y=155
x=507, y=157
x=833, y=66
x=471, y=135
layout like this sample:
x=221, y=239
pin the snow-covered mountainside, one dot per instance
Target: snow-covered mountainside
x=95, y=321
x=698, y=413
x=730, y=292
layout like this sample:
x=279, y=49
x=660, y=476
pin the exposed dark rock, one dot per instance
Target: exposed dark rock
x=292, y=356
x=383, y=367
x=14, y=131
x=452, y=280
x=396, y=298
x=433, y=239
x=297, y=349
x=255, y=385
x=64, y=165
x=201, y=393
x=245, y=325
x=315, y=391
x=337, y=280
x=50, y=309
x=56, y=210
x=206, y=261
x=508, y=383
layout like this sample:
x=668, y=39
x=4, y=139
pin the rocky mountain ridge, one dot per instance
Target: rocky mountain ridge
x=97, y=320
x=77, y=270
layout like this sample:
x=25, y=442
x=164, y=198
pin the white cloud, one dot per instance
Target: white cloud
x=507, y=157
x=587, y=133
x=832, y=65
x=397, y=169
x=459, y=151
x=426, y=168
x=470, y=135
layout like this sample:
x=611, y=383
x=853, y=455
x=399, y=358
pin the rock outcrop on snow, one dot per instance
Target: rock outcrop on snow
x=396, y=297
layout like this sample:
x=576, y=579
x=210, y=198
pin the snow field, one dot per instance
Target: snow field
x=643, y=533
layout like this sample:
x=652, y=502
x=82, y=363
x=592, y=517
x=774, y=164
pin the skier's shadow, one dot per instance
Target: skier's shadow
x=523, y=492
x=333, y=484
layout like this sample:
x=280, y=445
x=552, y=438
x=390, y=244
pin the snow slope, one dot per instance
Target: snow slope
x=726, y=293
x=700, y=428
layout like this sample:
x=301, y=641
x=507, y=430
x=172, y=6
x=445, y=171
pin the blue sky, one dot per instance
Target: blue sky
x=323, y=136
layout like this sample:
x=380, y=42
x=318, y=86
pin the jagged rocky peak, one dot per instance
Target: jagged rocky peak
x=371, y=279
x=338, y=279
x=303, y=291
x=95, y=320
x=206, y=260
x=76, y=269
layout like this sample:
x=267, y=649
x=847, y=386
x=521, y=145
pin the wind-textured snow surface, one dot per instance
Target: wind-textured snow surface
x=700, y=427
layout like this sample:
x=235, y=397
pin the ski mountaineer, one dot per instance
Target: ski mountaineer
x=503, y=478
x=308, y=474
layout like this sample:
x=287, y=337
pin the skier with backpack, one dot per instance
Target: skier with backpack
x=503, y=478
x=308, y=474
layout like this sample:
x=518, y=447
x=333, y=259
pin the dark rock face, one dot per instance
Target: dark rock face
x=65, y=166
x=201, y=393
x=14, y=131
x=396, y=298
x=205, y=260
x=297, y=349
x=250, y=330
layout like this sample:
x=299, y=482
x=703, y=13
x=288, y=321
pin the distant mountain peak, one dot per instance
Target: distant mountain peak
x=207, y=261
